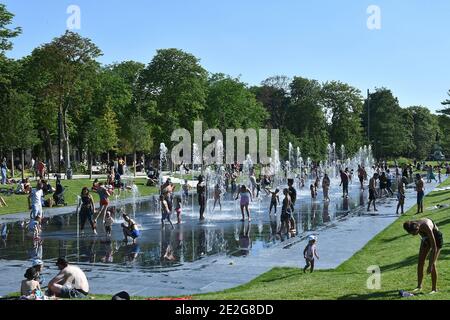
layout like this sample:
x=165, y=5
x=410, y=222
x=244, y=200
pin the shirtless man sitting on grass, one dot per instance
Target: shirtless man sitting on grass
x=70, y=283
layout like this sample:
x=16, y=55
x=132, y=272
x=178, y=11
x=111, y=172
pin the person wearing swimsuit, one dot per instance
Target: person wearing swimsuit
x=87, y=210
x=432, y=242
x=201, y=193
x=130, y=229
x=246, y=196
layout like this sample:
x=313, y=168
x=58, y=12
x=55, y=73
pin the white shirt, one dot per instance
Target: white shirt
x=36, y=197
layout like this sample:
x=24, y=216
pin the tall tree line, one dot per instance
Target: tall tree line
x=61, y=96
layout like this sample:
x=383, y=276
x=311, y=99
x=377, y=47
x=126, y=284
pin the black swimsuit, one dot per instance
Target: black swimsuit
x=437, y=235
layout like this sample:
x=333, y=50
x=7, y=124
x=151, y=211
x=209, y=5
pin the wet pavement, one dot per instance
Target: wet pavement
x=199, y=257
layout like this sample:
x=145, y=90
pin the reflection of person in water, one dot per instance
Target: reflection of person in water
x=326, y=213
x=317, y=217
x=245, y=243
x=109, y=252
x=133, y=253
x=92, y=251
x=166, y=250
x=4, y=233
x=345, y=204
x=201, y=243
x=274, y=236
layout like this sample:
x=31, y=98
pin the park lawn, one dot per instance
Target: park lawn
x=393, y=250
x=19, y=203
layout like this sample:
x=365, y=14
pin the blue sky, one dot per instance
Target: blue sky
x=255, y=39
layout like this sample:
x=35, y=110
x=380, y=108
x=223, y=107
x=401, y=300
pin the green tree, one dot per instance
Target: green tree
x=344, y=105
x=446, y=103
x=389, y=135
x=307, y=118
x=63, y=67
x=6, y=33
x=177, y=84
x=444, y=125
x=230, y=104
x=274, y=96
x=138, y=137
x=425, y=128
x=101, y=134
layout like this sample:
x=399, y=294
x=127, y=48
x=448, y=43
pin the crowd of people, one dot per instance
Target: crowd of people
x=380, y=184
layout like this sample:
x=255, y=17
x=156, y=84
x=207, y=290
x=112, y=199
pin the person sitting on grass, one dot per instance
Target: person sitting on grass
x=30, y=286
x=432, y=242
x=70, y=283
x=130, y=229
x=309, y=253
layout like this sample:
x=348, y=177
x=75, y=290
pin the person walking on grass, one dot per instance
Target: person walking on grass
x=432, y=242
x=309, y=254
x=372, y=192
x=420, y=189
x=401, y=196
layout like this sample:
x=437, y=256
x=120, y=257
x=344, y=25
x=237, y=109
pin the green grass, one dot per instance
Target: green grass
x=393, y=250
x=19, y=203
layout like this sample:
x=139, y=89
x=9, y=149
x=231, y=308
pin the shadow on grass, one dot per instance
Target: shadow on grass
x=444, y=222
x=395, y=238
x=375, y=295
x=404, y=263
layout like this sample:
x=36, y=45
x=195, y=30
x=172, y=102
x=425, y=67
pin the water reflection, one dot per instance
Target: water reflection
x=165, y=248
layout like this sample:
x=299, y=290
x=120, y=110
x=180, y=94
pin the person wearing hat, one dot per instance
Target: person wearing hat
x=201, y=193
x=70, y=282
x=37, y=265
x=310, y=253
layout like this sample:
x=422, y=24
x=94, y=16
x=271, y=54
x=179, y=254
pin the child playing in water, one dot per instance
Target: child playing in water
x=109, y=221
x=275, y=201
x=309, y=253
x=186, y=188
x=217, y=194
x=165, y=210
x=313, y=191
x=178, y=208
x=401, y=196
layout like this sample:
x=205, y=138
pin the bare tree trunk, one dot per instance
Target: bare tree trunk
x=48, y=149
x=107, y=157
x=12, y=164
x=90, y=165
x=135, y=164
x=65, y=134
x=23, y=164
